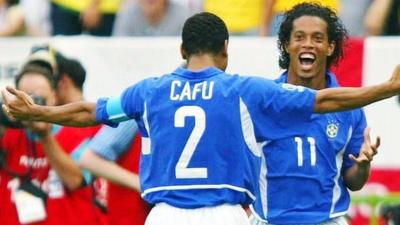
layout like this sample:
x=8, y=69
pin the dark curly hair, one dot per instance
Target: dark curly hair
x=204, y=33
x=73, y=69
x=336, y=31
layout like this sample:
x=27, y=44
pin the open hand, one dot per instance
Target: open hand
x=368, y=150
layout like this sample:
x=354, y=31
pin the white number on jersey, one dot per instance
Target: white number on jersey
x=181, y=170
x=313, y=154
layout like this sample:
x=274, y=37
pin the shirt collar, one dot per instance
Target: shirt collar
x=207, y=72
x=330, y=77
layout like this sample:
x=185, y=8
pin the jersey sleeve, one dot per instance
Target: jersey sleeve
x=110, y=142
x=279, y=110
x=357, y=138
x=129, y=105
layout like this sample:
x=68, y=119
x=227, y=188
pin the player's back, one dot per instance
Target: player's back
x=198, y=155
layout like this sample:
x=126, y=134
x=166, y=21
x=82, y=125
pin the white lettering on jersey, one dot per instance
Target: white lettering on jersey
x=203, y=89
x=35, y=163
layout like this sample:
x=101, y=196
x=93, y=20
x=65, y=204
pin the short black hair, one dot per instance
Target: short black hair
x=38, y=69
x=204, y=33
x=336, y=31
x=73, y=69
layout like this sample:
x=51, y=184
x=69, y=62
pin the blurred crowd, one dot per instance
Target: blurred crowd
x=166, y=17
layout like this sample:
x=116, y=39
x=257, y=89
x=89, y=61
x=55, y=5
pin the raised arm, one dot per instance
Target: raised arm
x=341, y=99
x=20, y=106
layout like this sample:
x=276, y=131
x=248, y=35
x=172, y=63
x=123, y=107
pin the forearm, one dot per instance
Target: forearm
x=356, y=177
x=109, y=170
x=68, y=171
x=73, y=114
x=376, y=16
x=342, y=99
x=266, y=16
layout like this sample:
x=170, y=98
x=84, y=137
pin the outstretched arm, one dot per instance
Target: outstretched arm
x=109, y=170
x=341, y=99
x=20, y=106
x=356, y=176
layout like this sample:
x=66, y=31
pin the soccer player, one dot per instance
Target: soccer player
x=200, y=127
x=305, y=178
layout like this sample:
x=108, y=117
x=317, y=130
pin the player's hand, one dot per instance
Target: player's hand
x=17, y=104
x=368, y=150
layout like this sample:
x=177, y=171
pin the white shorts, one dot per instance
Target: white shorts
x=336, y=221
x=164, y=214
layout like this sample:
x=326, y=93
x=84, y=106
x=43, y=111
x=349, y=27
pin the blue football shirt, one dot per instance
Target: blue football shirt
x=301, y=178
x=201, y=132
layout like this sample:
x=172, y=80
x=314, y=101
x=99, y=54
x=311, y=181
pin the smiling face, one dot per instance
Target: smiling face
x=309, y=48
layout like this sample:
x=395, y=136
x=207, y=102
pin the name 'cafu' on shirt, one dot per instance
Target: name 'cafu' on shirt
x=180, y=91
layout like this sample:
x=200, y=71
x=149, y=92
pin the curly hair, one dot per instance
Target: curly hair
x=204, y=33
x=336, y=31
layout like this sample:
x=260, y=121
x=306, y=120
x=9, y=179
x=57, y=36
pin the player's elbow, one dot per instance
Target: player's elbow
x=356, y=187
x=85, y=160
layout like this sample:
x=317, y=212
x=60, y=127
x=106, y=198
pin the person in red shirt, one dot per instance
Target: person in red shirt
x=123, y=146
x=39, y=182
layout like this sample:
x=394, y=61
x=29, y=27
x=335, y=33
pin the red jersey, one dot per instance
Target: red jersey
x=25, y=157
x=126, y=207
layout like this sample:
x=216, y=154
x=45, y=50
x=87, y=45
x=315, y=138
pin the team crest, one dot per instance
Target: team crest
x=332, y=129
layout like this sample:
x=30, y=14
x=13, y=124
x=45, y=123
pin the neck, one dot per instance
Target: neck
x=317, y=82
x=200, y=62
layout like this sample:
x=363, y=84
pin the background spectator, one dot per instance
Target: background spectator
x=383, y=18
x=150, y=18
x=38, y=161
x=352, y=13
x=37, y=17
x=73, y=17
x=11, y=18
x=242, y=17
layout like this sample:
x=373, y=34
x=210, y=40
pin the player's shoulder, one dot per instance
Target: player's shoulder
x=253, y=84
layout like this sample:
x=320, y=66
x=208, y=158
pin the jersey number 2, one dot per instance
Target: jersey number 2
x=181, y=169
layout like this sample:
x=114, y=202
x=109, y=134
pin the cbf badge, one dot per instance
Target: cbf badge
x=332, y=129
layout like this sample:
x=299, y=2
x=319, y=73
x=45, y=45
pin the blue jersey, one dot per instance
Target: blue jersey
x=301, y=178
x=110, y=143
x=200, y=132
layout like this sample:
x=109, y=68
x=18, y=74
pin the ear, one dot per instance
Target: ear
x=183, y=53
x=331, y=48
x=225, y=50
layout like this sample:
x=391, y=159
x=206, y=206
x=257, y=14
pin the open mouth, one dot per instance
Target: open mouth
x=307, y=60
